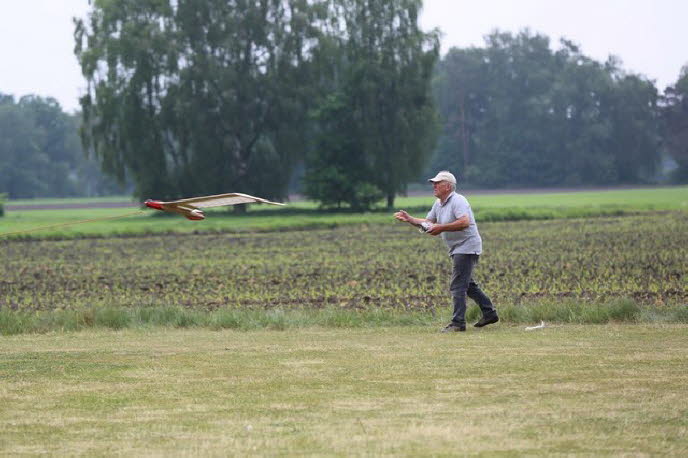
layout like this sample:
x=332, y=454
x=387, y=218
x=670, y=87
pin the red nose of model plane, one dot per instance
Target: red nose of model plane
x=154, y=204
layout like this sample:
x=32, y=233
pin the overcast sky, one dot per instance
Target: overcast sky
x=650, y=36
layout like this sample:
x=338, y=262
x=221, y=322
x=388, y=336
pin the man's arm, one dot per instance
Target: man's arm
x=458, y=225
x=405, y=217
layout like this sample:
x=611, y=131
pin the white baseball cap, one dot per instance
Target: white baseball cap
x=444, y=176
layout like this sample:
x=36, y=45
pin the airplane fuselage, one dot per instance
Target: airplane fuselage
x=193, y=214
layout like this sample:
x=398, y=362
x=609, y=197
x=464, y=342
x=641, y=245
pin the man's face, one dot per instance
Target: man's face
x=441, y=189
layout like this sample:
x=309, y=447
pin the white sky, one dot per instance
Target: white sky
x=650, y=36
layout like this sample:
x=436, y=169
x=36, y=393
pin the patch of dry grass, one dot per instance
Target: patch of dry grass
x=612, y=389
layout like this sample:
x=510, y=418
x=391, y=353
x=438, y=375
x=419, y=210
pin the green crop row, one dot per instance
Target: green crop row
x=525, y=264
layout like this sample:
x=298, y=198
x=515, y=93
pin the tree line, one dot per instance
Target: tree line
x=190, y=97
x=41, y=153
x=517, y=113
x=203, y=96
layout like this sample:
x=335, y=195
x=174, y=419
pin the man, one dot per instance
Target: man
x=452, y=217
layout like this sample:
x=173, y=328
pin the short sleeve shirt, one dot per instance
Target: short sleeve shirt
x=467, y=241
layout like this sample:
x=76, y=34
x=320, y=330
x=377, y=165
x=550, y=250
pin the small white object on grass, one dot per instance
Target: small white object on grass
x=539, y=326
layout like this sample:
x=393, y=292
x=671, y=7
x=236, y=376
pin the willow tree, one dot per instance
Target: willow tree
x=194, y=96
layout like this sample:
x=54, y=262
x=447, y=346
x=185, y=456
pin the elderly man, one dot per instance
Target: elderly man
x=452, y=217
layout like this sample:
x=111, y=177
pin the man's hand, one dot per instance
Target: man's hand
x=436, y=229
x=401, y=215
x=458, y=225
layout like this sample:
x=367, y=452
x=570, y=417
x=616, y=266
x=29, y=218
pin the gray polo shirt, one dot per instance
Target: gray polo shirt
x=467, y=241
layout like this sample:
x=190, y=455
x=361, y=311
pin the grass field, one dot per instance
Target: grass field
x=57, y=223
x=248, y=339
x=582, y=390
x=665, y=198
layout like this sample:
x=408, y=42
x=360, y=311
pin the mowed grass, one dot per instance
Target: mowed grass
x=75, y=223
x=254, y=380
x=571, y=389
x=663, y=198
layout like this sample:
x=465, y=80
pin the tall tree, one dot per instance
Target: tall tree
x=376, y=98
x=195, y=96
x=23, y=166
x=461, y=100
x=675, y=117
x=635, y=142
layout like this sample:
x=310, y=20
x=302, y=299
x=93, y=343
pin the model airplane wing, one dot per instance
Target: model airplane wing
x=191, y=208
x=221, y=200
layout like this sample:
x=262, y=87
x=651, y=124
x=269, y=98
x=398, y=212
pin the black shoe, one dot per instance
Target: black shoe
x=485, y=321
x=453, y=327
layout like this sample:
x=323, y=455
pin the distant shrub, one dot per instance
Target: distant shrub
x=624, y=310
x=365, y=195
x=112, y=317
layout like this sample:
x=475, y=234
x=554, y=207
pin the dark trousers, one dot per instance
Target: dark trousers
x=462, y=285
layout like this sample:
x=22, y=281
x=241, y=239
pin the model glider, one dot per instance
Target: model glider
x=191, y=208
